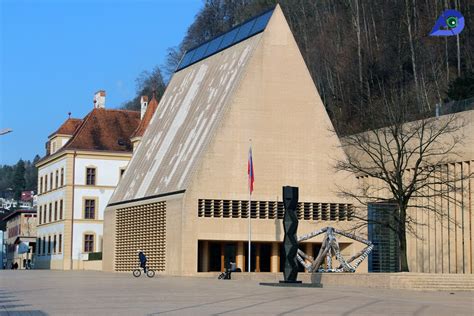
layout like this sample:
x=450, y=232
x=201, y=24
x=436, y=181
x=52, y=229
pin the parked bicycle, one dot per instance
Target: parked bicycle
x=138, y=271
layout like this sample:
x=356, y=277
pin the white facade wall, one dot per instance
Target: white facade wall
x=79, y=230
x=59, y=194
x=51, y=168
x=55, y=195
x=107, y=177
x=101, y=195
x=107, y=171
x=51, y=230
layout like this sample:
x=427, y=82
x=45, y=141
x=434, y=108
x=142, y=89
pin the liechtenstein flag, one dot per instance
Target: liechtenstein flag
x=250, y=171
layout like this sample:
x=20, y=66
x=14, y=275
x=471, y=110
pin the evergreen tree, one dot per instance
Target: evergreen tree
x=19, y=179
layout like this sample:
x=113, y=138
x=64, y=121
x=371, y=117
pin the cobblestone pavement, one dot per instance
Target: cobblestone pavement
x=99, y=293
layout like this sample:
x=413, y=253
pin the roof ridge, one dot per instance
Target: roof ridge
x=69, y=119
x=119, y=110
x=84, y=121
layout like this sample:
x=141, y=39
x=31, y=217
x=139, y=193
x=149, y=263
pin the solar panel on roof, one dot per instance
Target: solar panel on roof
x=233, y=36
x=228, y=38
x=260, y=23
x=186, y=59
x=213, y=46
x=244, y=30
x=199, y=53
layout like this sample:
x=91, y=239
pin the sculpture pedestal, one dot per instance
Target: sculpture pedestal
x=293, y=284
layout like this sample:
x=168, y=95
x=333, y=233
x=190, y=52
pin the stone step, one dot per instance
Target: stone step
x=440, y=288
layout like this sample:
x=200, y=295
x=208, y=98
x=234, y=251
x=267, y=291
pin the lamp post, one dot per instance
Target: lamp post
x=5, y=131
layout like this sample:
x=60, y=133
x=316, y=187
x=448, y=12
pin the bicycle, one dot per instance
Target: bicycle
x=149, y=272
x=226, y=275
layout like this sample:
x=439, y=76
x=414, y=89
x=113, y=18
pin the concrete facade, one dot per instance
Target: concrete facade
x=441, y=234
x=194, y=163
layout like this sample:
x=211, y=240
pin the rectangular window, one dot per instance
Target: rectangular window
x=51, y=181
x=40, y=213
x=61, y=210
x=88, y=243
x=49, y=245
x=90, y=176
x=56, y=210
x=41, y=185
x=57, y=179
x=39, y=246
x=60, y=243
x=50, y=215
x=45, y=183
x=89, y=209
x=44, y=245
x=54, y=244
x=62, y=176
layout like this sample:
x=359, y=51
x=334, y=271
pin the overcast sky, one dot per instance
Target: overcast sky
x=55, y=55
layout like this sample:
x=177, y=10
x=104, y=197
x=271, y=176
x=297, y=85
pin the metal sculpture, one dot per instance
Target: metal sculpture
x=290, y=241
x=330, y=248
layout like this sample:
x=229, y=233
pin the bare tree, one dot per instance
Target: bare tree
x=405, y=164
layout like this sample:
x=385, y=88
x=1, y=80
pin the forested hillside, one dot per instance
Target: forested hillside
x=20, y=177
x=361, y=54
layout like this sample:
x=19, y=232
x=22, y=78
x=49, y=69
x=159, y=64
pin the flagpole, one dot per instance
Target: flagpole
x=250, y=228
x=250, y=211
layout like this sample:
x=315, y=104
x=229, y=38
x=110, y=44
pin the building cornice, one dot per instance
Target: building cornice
x=93, y=153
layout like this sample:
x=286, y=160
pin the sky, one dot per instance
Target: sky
x=55, y=54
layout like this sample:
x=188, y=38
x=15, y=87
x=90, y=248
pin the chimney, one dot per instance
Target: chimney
x=48, y=149
x=99, y=99
x=144, y=103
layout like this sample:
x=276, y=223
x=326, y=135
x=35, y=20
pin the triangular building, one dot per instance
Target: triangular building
x=184, y=197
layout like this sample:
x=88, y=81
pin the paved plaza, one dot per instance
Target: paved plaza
x=98, y=293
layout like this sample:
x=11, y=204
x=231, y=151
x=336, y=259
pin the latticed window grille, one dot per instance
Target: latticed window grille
x=143, y=228
x=306, y=211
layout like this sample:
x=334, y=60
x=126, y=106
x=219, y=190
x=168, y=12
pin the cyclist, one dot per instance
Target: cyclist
x=142, y=258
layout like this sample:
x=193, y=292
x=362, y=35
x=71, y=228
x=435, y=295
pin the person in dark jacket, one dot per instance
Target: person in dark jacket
x=142, y=258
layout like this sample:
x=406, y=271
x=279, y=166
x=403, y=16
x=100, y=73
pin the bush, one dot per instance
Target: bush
x=95, y=256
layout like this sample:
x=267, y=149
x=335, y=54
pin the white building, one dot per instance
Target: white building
x=85, y=159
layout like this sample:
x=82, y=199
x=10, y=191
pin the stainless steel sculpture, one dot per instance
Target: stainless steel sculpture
x=330, y=248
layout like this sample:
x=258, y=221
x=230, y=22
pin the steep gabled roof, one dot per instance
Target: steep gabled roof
x=150, y=110
x=68, y=127
x=191, y=108
x=104, y=129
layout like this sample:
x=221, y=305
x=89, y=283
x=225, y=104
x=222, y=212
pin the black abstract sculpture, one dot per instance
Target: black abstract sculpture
x=290, y=242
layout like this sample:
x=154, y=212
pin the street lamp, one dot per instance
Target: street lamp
x=5, y=131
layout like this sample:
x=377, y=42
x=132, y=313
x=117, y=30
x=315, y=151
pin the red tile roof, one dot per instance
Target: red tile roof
x=104, y=129
x=150, y=110
x=68, y=127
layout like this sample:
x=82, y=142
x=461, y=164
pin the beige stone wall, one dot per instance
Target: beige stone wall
x=176, y=236
x=108, y=253
x=441, y=237
x=444, y=242
x=278, y=107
